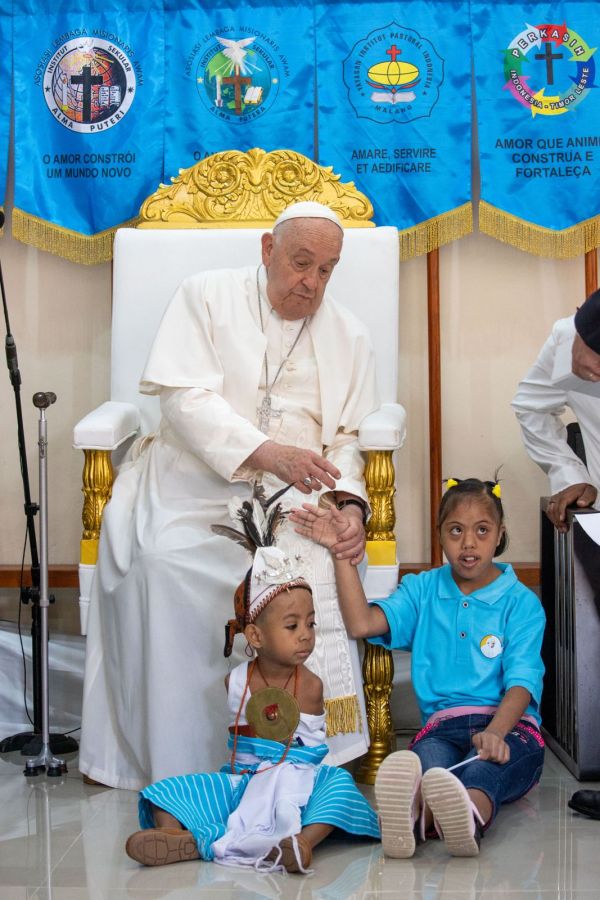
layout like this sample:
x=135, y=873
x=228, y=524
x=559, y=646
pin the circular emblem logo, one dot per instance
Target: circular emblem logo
x=490, y=646
x=238, y=79
x=557, y=61
x=393, y=75
x=89, y=84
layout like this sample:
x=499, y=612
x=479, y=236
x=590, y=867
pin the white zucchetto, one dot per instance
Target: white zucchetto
x=307, y=209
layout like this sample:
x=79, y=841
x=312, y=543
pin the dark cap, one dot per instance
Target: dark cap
x=587, y=322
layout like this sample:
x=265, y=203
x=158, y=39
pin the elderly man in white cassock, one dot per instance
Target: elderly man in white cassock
x=262, y=377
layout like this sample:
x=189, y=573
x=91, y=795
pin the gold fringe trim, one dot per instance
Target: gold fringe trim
x=564, y=244
x=342, y=715
x=71, y=245
x=436, y=232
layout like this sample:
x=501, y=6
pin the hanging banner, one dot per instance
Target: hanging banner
x=394, y=112
x=5, y=89
x=538, y=100
x=88, y=120
x=239, y=76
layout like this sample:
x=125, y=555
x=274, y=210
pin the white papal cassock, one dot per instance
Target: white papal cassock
x=154, y=699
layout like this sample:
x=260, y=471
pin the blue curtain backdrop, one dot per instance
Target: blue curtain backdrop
x=5, y=89
x=88, y=120
x=238, y=76
x=111, y=98
x=394, y=111
x=538, y=110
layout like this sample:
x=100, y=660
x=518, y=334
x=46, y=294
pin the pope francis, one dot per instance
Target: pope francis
x=263, y=377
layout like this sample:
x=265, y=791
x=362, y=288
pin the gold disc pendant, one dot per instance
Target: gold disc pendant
x=273, y=713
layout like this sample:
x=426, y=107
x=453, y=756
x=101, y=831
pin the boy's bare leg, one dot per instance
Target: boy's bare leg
x=314, y=834
x=309, y=837
x=164, y=819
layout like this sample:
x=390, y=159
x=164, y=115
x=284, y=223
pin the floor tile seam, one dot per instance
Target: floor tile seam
x=77, y=837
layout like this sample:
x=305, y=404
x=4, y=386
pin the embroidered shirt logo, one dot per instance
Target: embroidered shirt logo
x=491, y=646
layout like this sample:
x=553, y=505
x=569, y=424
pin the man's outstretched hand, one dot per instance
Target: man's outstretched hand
x=306, y=470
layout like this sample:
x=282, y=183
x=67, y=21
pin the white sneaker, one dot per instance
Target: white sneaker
x=455, y=816
x=398, y=802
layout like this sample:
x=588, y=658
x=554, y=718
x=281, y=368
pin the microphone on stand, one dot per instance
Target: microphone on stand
x=44, y=399
x=29, y=743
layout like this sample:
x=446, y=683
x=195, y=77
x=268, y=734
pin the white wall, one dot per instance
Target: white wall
x=498, y=305
x=497, y=308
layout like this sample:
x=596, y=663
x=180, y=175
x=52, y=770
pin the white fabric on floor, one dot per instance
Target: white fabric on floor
x=66, y=657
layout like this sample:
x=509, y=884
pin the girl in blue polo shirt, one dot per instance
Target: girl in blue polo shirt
x=475, y=633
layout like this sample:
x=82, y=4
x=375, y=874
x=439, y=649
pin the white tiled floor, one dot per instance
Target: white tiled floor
x=63, y=840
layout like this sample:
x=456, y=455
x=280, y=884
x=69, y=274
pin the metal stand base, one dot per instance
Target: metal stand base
x=45, y=762
x=30, y=743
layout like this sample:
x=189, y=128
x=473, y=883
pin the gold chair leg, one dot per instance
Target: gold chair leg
x=378, y=675
x=97, y=489
x=378, y=665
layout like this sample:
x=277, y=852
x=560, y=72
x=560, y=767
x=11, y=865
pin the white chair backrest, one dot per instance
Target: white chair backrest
x=150, y=263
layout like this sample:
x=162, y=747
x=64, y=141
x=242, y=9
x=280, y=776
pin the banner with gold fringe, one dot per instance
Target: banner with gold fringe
x=5, y=88
x=538, y=104
x=239, y=76
x=394, y=111
x=89, y=89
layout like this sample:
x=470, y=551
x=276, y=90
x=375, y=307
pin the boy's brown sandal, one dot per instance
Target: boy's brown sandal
x=161, y=846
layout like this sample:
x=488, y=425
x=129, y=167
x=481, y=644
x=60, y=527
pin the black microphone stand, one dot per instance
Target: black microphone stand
x=29, y=742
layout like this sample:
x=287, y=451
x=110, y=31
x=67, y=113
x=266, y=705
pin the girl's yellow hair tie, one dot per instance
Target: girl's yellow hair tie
x=496, y=491
x=452, y=482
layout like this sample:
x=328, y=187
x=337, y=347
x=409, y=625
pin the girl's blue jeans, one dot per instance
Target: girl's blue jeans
x=449, y=740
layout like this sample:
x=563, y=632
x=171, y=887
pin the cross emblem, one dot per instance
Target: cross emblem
x=237, y=81
x=266, y=413
x=87, y=80
x=549, y=56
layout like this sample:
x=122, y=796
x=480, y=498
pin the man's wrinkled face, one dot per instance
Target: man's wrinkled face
x=299, y=257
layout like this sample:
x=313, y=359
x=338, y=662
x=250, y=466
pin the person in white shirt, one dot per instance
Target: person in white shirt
x=539, y=405
x=262, y=377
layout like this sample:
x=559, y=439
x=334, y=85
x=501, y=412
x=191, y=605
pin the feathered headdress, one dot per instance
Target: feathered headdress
x=272, y=571
x=258, y=522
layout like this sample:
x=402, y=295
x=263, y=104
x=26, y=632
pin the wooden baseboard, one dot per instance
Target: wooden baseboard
x=67, y=576
x=59, y=576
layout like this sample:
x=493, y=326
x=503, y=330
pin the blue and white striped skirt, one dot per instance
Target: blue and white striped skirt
x=203, y=803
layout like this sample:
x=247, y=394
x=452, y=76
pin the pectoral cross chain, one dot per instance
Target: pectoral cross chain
x=265, y=410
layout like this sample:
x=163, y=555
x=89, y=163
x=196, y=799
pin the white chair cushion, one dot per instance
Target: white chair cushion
x=107, y=426
x=384, y=429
